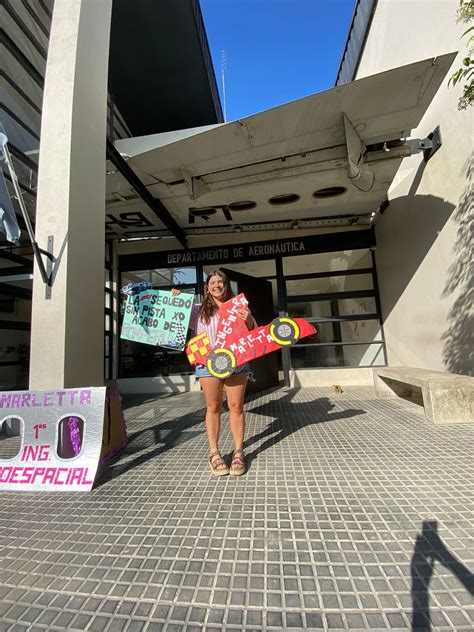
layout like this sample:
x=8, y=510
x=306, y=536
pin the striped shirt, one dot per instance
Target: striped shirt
x=210, y=329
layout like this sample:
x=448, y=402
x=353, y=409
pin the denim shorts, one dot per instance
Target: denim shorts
x=201, y=371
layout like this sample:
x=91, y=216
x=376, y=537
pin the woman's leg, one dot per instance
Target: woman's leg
x=213, y=389
x=235, y=388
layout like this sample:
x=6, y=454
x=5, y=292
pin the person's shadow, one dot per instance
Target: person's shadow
x=290, y=416
x=429, y=548
x=150, y=442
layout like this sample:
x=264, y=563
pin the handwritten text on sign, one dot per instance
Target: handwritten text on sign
x=38, y=466
x=156, y=317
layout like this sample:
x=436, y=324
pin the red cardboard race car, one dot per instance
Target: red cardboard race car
x=236, y=345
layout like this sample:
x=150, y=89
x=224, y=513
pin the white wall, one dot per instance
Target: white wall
x=423, y=244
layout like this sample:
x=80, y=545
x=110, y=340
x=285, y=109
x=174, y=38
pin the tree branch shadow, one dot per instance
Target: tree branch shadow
x=458, y=351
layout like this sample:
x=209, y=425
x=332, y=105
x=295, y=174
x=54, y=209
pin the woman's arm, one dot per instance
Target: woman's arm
x=245, y=315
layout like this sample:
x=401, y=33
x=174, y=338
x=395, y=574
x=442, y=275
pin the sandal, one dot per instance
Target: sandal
x=237, y=467
x=216, y=465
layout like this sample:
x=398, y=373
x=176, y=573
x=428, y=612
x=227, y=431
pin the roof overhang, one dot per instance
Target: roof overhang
x=160, y=70
x=349, y=139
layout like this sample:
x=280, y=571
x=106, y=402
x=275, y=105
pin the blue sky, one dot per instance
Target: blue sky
x=277, y=50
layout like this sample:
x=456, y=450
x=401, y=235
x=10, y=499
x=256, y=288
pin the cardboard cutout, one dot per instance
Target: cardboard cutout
x=236, y=345
x=38, y=466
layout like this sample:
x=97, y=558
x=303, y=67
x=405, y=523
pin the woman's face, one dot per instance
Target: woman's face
x=216, y=287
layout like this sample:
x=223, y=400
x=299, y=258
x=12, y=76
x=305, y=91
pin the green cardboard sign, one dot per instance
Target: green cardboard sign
x=156, y=317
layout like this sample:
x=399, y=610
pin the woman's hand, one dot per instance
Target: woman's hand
x=244, y=314
x=175, y=291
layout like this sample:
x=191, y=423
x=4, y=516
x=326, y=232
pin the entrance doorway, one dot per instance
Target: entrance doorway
x=334, y=289
x=259, y=293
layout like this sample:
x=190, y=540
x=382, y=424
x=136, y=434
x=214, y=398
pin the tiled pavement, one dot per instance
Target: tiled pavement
x=355, y=514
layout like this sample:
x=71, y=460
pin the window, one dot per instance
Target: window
x=336, y=292
x=329, y=284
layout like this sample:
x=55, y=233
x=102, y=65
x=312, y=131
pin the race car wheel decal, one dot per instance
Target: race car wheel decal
x=221, y=363
x=284, y=331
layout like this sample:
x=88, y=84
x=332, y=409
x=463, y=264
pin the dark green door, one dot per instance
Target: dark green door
x=260, y=297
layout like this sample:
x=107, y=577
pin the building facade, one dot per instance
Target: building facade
x=168, y=44
x=324, y=208
x=25, y=31
x=424, y=236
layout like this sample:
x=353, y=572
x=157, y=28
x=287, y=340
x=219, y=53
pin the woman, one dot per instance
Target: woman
x=205, y=318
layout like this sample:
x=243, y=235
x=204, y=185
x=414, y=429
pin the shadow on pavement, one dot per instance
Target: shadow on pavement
x=152, y=441
x=130, y=401
x=429, y=548
x=164, y=435
x=302, y=414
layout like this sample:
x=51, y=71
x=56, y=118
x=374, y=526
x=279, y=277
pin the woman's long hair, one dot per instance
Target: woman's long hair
x=208, y=307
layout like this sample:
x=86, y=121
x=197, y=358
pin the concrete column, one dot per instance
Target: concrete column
x=67, y=334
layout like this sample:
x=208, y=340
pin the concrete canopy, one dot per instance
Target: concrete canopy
x=327, y=159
